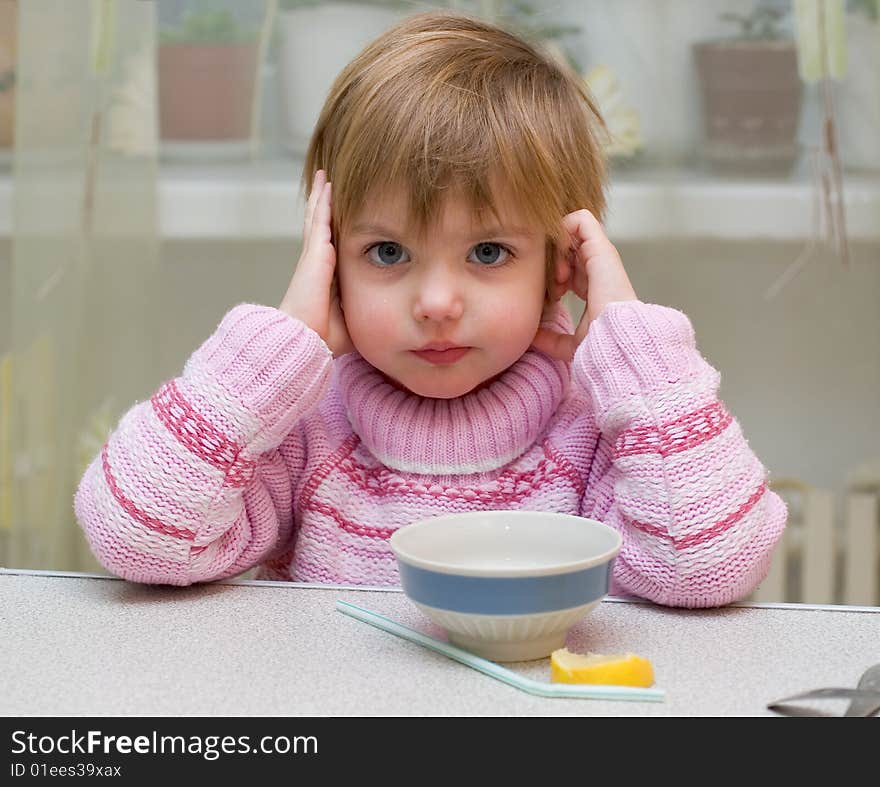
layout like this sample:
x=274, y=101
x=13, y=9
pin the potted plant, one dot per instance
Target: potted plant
x=319, y=37
x=8, y=25
x=751, y=93
x=208, y=69
x=317, y=40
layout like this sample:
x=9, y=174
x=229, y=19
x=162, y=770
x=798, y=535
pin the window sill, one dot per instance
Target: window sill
x=261, y=200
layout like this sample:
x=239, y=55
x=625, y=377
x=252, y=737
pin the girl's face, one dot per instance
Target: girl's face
x=480, y=289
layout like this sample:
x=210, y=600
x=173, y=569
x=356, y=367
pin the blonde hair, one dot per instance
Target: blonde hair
x=442, y=101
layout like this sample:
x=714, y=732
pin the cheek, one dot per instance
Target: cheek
x=513, y=315
x=369, y=314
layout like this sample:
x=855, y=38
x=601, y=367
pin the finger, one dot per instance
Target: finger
x=587, y=233
x=318, y=261
x=584, y=230
x=555, y=344
x=583, y=225
x=579, y=277
x=319, y=179
x=314, y=195
x=321, y=229
x=317, y=213
x=586, y=255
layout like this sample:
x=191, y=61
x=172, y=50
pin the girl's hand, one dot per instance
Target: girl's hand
x=313, y=293
x=593, y=270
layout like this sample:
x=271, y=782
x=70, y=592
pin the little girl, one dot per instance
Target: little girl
x=421, y=362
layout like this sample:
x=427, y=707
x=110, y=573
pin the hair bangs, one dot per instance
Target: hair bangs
x=445, y=104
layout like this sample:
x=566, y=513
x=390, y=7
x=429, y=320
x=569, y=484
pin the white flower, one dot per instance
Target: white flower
x=132, y=122
x=623, y=121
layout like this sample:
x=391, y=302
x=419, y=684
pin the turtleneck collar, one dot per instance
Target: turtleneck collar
x=478, y=432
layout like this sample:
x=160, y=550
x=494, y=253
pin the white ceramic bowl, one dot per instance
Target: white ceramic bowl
x=506, y=585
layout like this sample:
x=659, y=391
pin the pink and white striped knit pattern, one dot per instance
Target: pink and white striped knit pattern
x=680, y=482
x=266, y=451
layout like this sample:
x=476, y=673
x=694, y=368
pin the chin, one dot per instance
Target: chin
x=439, y=391
x=440, y=382
x=435, y=389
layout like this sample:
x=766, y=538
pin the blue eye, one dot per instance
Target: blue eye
x=487, y=253
x=386, y=252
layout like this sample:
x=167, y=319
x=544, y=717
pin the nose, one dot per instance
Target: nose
x=439, y=295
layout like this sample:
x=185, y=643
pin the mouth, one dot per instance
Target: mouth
x=442, y=357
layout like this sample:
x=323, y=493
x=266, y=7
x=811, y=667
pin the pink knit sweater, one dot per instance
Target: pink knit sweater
x=268, y=451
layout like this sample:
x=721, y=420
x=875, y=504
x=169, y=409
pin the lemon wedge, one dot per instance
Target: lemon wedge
x=624, y=669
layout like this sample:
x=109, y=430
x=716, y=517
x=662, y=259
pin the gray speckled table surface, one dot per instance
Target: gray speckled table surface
x=85, y=646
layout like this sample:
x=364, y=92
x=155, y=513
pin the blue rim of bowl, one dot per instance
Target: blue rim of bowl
x=506, y=595
x=492, y=573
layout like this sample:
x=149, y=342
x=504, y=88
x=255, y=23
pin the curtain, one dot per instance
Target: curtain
x=84, y=280
x=708, y=209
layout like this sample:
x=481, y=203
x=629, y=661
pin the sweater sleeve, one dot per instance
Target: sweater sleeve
x=191, y=486
x=672, y=472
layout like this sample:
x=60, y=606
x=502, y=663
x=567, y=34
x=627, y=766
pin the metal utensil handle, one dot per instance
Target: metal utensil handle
x=864, y=702
x=867, y=705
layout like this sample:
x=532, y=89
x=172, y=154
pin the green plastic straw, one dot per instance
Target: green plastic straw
x=493, y=670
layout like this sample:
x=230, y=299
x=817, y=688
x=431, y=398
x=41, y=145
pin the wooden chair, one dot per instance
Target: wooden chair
x=862, y=543
x=819, y=561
